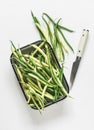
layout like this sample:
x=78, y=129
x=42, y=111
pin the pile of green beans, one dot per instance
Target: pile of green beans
x=53, y=33
x=40, y=76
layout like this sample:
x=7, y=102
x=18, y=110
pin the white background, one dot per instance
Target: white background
x=17, y=25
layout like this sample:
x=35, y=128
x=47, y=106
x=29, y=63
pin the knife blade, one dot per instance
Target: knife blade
x=76, y=63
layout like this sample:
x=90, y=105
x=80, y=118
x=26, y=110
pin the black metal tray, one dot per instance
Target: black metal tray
x=28, y=50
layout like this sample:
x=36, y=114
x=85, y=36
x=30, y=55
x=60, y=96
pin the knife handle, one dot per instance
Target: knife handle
x=82, y=43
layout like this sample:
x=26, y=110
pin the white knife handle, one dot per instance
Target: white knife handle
x=82, y=43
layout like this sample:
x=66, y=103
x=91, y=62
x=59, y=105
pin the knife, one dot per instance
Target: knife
x=79, y=55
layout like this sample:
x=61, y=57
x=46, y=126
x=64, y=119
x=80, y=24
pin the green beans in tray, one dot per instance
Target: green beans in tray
x=39, y=74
